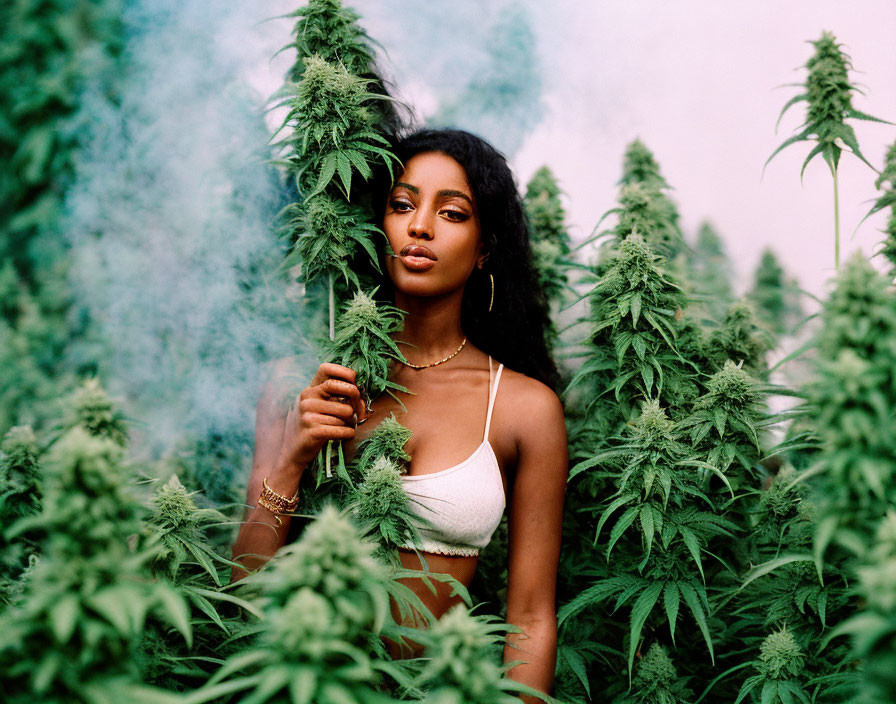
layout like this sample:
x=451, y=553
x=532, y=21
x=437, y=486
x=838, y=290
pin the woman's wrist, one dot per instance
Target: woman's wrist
x=284, y=480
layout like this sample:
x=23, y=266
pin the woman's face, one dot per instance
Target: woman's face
x=432, y=224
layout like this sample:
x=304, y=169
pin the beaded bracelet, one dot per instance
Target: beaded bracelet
x=277, y=503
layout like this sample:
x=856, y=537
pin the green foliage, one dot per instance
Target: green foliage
x=639, y=165
x=327, y=29
x=51, y=48
x=20, y=496
x=853, y=400
x=464, y=652
x=388, y=440
x=645, y=208
x=725, y=423
x=550, y=239
x=73, y=635
x=886, y=184
x=631, y=353
x=873, y=629
x=828, y=95
x=382, y=506
x=780, y=667
x=332, y=133
x=363, y=343
x=92, y=410
x=330, y=234
x=710, y=274
x=19, y=475
x=742, y=339
x=775, y=297
x=657, y=682
x=326, y=603
x=658, y=514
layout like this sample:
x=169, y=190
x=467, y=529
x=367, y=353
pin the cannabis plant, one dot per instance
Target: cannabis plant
x=741, y=338
x=548, y=232
x=381, y=505
x=327, y=29
x=174, y=533
x=20, y=496
x=775, y=297
x=853, y=401
x=709, y=271
x=388, y=440
x=52, y=50
x=647, y=209
x=828, y=95
x=886, y=184
x=658, y=512
x=631, y=351
x=326, y=605
x=463, y=655
x=73, y=636
x=656, y=681
x=873, y=628
x=780, y=672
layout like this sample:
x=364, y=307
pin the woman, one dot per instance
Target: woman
x=460, y=267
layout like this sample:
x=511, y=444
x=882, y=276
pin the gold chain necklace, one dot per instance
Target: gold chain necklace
x=432, y=364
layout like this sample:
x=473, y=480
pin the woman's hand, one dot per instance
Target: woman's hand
x=327, y=409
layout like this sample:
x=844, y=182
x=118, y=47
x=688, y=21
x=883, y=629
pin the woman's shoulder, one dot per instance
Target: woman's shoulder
x=535, y=402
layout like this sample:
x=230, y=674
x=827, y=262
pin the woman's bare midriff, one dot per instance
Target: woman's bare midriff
x=461, y=567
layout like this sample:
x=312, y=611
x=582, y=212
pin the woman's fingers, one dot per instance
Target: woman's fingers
x=319, y=406
x=344, y=391
x=338, y=382
x=324, y=427
x=329, y=370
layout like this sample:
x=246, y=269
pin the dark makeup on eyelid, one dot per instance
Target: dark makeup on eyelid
x=445, y=193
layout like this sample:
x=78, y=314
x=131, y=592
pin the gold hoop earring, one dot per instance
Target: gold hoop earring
x=491, y=299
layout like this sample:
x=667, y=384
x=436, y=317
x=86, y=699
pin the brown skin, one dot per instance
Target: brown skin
x=433, y=206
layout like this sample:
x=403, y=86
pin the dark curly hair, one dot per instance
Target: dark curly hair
x=514, y=331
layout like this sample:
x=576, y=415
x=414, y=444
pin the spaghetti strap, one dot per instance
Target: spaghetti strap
x=493, y=392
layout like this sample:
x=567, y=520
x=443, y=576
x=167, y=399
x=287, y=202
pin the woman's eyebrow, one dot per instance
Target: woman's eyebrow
x=412, y=189
x=460, y=194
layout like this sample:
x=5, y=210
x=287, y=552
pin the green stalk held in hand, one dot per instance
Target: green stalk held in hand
x=828, y=93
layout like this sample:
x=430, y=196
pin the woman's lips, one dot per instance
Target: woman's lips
x=416, y=257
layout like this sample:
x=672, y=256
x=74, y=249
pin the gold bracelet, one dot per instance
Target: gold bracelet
x=277, y=503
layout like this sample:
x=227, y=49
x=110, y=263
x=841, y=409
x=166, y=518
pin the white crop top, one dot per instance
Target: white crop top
x=464, y=503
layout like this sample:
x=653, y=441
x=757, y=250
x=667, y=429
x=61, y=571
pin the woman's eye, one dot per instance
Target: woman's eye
x=455, y=215
x=400, y=205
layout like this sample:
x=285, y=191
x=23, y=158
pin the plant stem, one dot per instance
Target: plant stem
x=332, y=302
x=332, y=299
x=836, y=222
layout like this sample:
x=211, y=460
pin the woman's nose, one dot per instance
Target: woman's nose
x=420, y=225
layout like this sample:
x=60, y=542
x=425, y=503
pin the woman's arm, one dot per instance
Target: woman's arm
x=286, y=440
x=536, y=513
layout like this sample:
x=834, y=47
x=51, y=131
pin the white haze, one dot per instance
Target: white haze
x=173, y=204
x=171, y=220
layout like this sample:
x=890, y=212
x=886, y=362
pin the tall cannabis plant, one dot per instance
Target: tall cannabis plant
x=548, y=231
x=73, y=634
x=710, y=273
x=326, y=605
x=886, y=184
x=335, y=139
x=20, y=496
x=828, y=95
x=853, y=401
x=658, y=514
x=775, y=296
x=52, y=50
x=331, y=134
